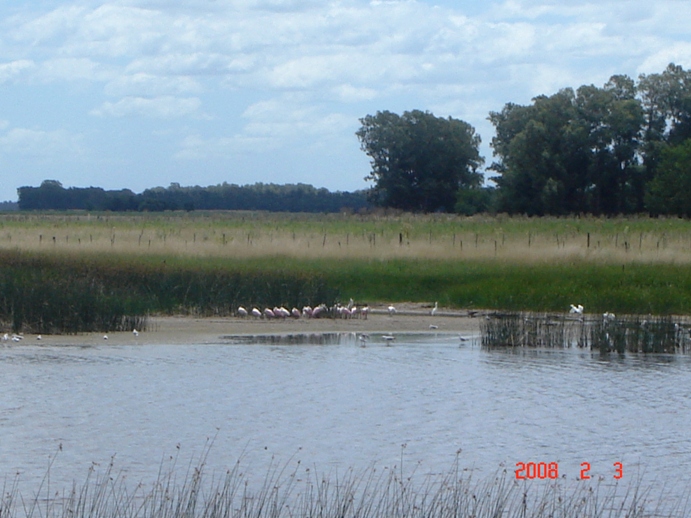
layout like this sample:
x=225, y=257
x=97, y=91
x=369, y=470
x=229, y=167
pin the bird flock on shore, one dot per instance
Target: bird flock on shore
x=322, y=310
x=348, y=311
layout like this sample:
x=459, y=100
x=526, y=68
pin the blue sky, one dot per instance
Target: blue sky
x=141, y=93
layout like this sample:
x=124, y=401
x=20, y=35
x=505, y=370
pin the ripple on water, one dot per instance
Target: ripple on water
x=339, y=405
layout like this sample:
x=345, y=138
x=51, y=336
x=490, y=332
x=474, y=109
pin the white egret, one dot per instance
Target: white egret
x=434, y=309
x=392, y=310
x=576, y=309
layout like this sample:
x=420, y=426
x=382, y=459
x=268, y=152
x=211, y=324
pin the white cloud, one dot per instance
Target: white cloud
x=163, y=107
x=679, y=52
x=147, y=84
x=282, y=74
x=41, y=144
x=14, y=69
x=73, y=70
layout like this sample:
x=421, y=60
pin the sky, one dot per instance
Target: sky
x=143, y=93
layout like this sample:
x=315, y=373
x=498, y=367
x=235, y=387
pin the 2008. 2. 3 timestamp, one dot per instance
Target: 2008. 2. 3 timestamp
x=550, y=470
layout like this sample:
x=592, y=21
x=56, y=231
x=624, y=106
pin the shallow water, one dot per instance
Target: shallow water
x=335, y=405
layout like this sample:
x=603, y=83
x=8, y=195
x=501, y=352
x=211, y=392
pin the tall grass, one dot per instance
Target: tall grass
x=375, y=236
x=71, y=272
x=64, y=292
x=67, y=294
x=293, y=490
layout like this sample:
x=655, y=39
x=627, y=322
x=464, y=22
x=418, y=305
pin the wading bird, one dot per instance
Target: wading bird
x=576, y=309
x=388, y=338
x=242, y=312
x=392, y=310
x=434, y=309
x=256, y=313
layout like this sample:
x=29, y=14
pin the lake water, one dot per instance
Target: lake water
x=335, y=405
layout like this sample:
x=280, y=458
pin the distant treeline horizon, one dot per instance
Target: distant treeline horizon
x=51, y=195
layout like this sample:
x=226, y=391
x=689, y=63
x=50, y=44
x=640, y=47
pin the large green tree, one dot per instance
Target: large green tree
x=570, y=152
x=419, y=161
x=666, y=99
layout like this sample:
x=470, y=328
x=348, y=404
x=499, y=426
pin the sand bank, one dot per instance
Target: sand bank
x=409, y=318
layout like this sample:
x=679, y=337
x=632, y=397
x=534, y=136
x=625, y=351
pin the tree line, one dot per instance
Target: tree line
x=621, y=148
x=51, y=195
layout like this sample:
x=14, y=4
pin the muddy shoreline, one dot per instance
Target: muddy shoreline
x=409, y=318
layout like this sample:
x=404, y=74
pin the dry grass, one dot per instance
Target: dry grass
x=439, y=237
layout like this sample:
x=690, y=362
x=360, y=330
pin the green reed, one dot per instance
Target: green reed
x=68, y=294
x=629, y=333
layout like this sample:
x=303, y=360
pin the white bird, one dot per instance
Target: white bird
x=432, y=326
x=363, y=339
x=576, y=309
x=256, y=313
x=295, y=313
x=105, y=337
x=242, y=312
x=434, y=309
x=39, y=337
x=392, y=310
x=609, y=317
x=364, y=312
x=388, y=338
x=135, y=332
x=5, y=337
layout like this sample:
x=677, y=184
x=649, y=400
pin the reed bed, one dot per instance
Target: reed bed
x=609, y=333
x=57, y=294
x=293, y=490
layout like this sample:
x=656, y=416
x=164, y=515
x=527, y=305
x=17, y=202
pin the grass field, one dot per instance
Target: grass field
x=246, y=234
x=77, y=265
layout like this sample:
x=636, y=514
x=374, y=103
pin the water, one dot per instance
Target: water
x=334, y=405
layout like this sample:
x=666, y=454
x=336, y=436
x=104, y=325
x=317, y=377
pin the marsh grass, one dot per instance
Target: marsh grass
x=293, y=490
x=73, y=272
x=629, y=333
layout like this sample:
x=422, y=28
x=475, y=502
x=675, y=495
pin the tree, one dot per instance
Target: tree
x=670, y=191
x=419, y=161
x=570, y=152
